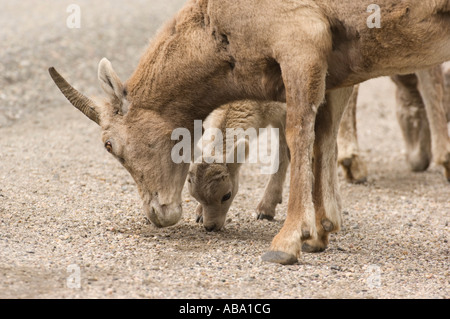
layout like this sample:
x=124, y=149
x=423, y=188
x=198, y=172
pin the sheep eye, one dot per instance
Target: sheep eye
x=108, y=146
x=226, y=197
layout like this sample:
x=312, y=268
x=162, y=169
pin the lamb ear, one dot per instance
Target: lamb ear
x=109, y=80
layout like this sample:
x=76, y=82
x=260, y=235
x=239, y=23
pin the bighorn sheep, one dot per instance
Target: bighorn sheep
x=423, y=110
x=308, y=53
x=214, y=185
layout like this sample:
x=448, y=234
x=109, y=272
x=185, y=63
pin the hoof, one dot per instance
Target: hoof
x=419, y=165
x=199, y=219
x=447, y=171
x=355, y=169
x=419, y=160
x=347, y=163
x=307, y=248
x=264, y=216
x=265, y=211
x=279, y=257
x=327, y=225
x=317, y=245
x=362, y=180
x=306, y=234
x=199, y=213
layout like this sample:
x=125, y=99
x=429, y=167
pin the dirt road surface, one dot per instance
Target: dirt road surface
x=71, y=224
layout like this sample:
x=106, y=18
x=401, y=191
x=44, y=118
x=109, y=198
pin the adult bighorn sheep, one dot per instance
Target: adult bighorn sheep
x=215, y=184
x=308, y=53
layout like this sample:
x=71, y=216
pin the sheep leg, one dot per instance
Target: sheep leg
x=431, y=87
x=349, y=158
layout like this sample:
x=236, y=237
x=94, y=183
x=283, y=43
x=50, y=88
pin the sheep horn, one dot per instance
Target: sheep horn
x=81, y=102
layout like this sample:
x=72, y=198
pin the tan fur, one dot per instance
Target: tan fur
x=304, y=52
x=208, y=183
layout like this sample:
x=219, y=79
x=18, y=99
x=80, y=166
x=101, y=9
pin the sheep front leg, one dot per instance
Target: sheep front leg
x=305, y=92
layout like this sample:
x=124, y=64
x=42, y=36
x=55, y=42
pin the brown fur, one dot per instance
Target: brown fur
x=218, y=51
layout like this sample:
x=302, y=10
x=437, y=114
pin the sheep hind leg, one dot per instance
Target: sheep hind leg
x=431, y=87
x=349, y=157
x=412, y=117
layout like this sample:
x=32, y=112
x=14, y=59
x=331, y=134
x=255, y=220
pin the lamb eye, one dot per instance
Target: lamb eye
x=226, y=197
x=108, y=146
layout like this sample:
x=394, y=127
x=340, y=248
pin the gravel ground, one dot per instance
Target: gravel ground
x=68, y=208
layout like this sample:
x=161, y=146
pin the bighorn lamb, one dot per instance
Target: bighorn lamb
x=308, y=53
x=214, y=185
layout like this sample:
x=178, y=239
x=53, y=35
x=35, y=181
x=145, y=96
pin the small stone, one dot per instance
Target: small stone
x=336, y=268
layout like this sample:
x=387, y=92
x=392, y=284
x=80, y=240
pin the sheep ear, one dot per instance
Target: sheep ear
x=109, y=80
